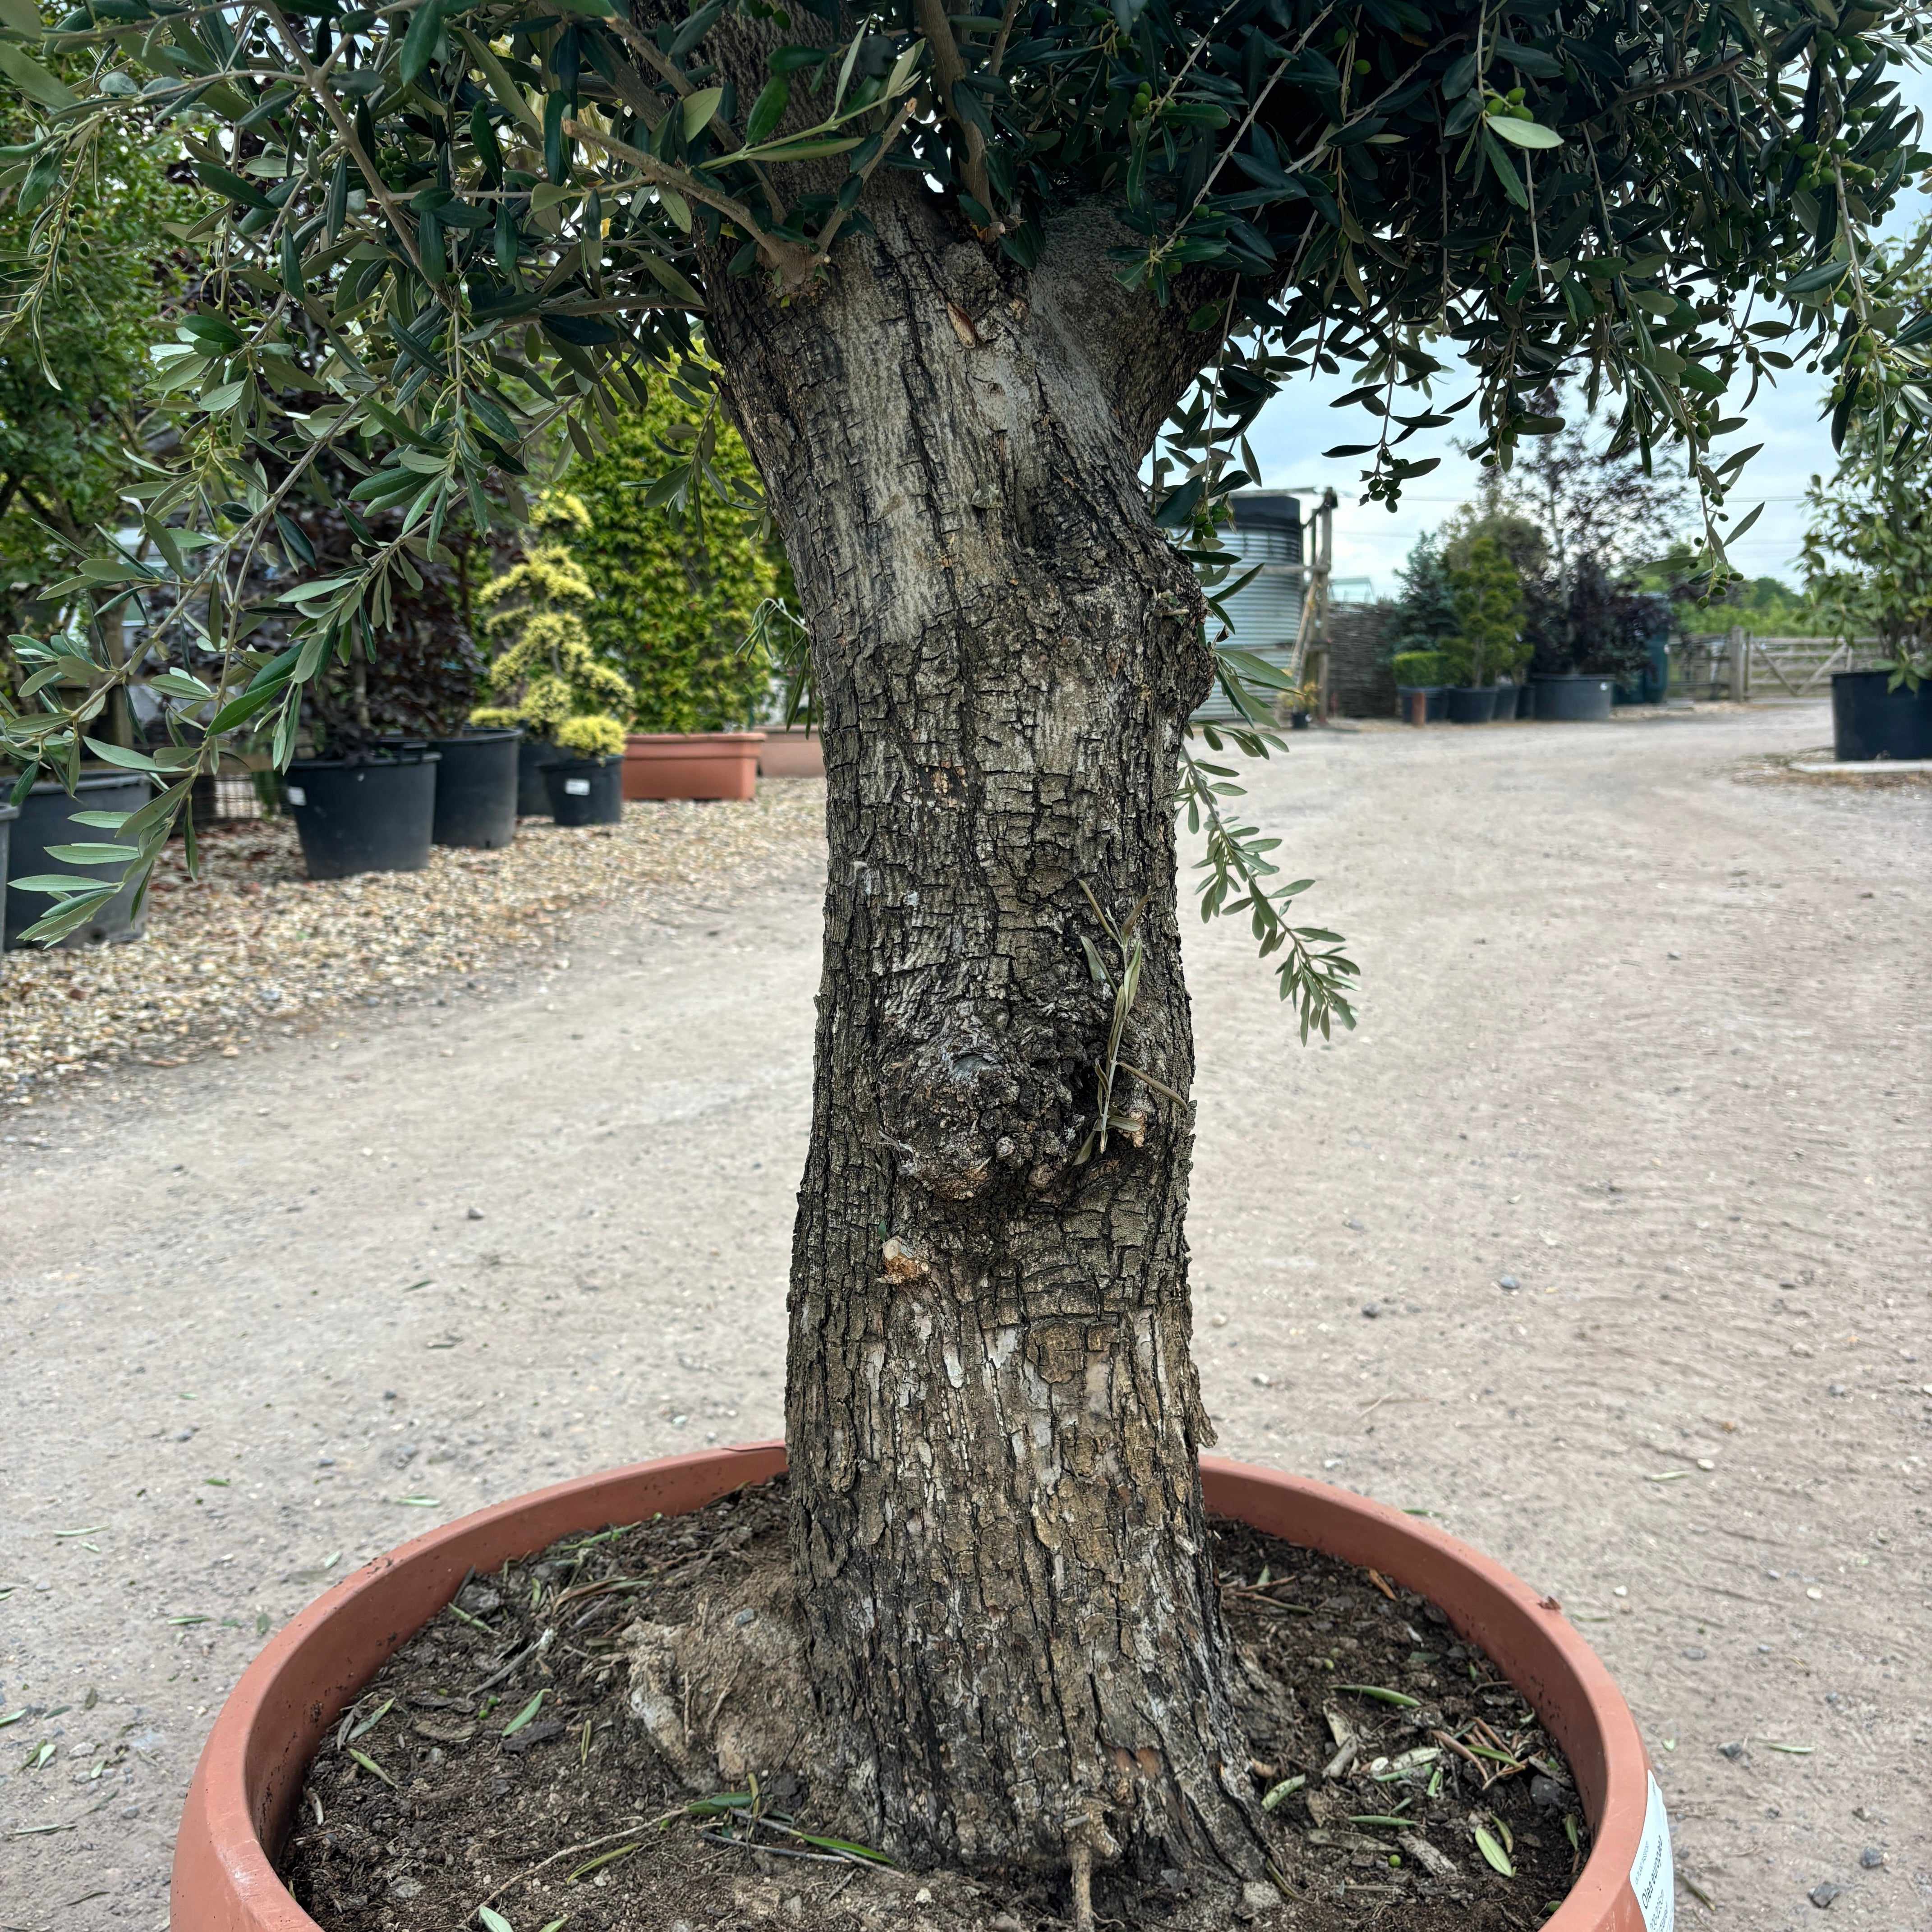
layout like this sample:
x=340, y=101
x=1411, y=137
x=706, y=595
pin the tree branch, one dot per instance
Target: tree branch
x=829, y=232
x=949, y=69
x=320, y=91
x=792, y=261
x=1005, y=33
x=1678, y=83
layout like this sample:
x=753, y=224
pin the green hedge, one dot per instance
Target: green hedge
x=1420, y=668
x=672, y=612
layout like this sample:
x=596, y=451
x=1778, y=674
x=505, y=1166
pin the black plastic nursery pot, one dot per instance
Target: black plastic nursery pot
x=1526, y=701
x=1298, y=721
x=376, y=816
x=1869, y=720
x=1471, y=704
x=476, y=789
x=1435, y=703
x=586, y=791
x=46, y=818
x=1574, y=697
x=533, y=794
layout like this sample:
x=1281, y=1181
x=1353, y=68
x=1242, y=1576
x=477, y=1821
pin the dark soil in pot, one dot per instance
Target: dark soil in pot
x=485, y=1764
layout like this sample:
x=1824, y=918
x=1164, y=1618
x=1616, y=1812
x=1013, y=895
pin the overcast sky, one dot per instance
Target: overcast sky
x=1299, y=425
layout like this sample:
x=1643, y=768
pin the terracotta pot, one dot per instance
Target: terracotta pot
x=252, y=1765
x=693, y=764
x=791, y=752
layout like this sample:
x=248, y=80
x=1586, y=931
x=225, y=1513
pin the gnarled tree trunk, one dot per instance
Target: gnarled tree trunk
x=993, y=1419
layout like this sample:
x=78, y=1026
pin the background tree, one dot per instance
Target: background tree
x=74, y=386
x=1868, y=558
x=1597, y=495
x=956, y=273
x=1425, y=610
x=1579, y=515
x=420, y=674
x=1488, y=598
x=676, y=595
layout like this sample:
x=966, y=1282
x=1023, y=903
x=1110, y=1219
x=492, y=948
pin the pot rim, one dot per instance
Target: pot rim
x=482, y=735
x=251, y=1767
x=388, y=762
x=688, y=741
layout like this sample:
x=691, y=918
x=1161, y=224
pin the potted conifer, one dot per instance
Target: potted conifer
x=546, y=678
x=1425, y=619
x=1489, y=605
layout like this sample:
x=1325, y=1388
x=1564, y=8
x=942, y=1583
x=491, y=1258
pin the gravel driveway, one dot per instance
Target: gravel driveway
x=1642, y=1034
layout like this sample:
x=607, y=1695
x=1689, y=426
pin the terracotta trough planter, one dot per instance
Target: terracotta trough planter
x=790, y=751
x=252, y=1765
x=694, y=764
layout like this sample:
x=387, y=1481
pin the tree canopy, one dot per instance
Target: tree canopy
x=501, y=221
x=75, y=381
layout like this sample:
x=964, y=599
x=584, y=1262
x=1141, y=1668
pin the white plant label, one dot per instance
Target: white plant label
x=578, y=787
x=297, y=796
x=1653, y=1877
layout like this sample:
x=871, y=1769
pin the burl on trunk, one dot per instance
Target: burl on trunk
x=1005, y=1576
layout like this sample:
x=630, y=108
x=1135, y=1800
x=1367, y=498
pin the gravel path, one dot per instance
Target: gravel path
x=1644, y=1031
x=253, y=947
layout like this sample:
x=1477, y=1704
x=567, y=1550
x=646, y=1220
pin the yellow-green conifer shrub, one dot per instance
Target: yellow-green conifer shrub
x=1488, y=612
x=595, y=735
x=673, y=605
x=546, y=676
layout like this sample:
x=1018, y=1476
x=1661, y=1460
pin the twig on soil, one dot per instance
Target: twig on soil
x=589, y=1845
x=1444, y=1738
x=523, y=1657
x=776, y=1851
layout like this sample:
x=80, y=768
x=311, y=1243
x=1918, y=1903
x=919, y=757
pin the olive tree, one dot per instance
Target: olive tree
x=991, y=300
x=1868, y=558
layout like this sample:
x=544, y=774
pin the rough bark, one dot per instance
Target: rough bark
x=1006, y=1582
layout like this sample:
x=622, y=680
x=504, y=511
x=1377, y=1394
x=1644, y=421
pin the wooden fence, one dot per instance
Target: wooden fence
x=1738, y=663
